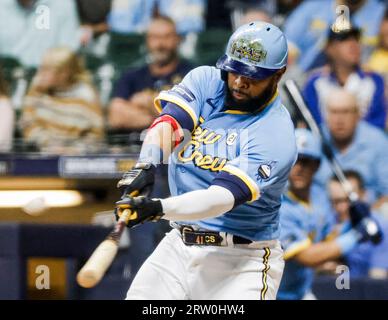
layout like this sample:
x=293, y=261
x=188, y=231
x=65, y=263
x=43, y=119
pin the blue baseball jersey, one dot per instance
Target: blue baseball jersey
x=302, y=224
x=250, y=154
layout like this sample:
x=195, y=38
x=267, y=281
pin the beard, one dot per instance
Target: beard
x=250, y=105
x=162, y=57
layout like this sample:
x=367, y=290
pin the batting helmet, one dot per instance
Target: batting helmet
x=256, y=50
x=307, y=144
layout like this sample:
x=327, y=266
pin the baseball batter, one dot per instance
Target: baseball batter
x=226, y=176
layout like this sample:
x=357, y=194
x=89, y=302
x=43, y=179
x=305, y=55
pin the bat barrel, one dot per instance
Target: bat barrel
x=102, y=257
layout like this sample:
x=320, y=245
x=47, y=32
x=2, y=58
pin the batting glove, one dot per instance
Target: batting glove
x=137, y=180
x=142, y=209
x=358, y=210
x=369, y=230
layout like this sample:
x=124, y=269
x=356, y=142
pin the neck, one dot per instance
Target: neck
x=163, y=69
x=342, y=72
x=343, y=144
x=301, y=194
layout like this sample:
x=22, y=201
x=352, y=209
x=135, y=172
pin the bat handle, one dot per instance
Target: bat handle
x=115, y=235
x=125, y=215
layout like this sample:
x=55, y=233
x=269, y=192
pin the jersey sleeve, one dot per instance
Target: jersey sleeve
x=185, y=100
x=260, y=168
x=293, y=237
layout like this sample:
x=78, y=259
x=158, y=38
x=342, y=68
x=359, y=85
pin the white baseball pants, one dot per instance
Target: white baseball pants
x=175, y=271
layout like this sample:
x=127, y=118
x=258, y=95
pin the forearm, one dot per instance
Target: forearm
x=123, y=114
x=99, y=27
x=319, y=253
x=199, y=204
x=160, y=141
x=324, y=251
x=380, y=202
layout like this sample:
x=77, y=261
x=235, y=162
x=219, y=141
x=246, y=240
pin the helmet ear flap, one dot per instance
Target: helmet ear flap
x=224, y=75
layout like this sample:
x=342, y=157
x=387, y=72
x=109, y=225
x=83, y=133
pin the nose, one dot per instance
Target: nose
x=241, y=82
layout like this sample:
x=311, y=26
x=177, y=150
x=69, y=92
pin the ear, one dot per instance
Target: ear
x=224, y=75
x=329, y=50
x=279, y=74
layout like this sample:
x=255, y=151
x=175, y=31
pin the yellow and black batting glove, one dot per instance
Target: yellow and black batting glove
x=142, y=209
x=139, y=179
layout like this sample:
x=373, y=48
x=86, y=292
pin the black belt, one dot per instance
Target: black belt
x=207, y=238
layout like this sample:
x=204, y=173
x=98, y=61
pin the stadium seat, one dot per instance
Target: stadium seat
x=8, y=65
x=210, y=46
x=125, y=50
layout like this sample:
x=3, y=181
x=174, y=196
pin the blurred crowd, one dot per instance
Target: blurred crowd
x=80, y=75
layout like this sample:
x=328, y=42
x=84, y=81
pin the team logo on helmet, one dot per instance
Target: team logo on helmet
x=250, y=50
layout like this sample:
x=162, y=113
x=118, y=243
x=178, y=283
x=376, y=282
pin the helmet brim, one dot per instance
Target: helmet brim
x=230, y=65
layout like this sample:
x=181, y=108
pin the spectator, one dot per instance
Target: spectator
x=132, y=107
x=378, y=61
x=357, y=260
x=135, y=15
x=306, y=225
x=255, y=15
x=344, y=52
x=93, y=15
x=29, y=27
x=307, y=27
x=61, y=110
x=357, y=146
x=243, y=12
x=6, y=119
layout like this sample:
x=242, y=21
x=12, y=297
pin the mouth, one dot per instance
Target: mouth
x=238, y=95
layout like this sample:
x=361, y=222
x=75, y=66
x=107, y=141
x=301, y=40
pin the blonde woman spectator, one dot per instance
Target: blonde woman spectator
x=6, y=118
x=61, y=111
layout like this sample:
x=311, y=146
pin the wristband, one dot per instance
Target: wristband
x=348, y=241
x=174, y=124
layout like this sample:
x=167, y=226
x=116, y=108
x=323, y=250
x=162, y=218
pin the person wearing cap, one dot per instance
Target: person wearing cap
x=357, y=146
x=226, y=177
x=308, y=25
x=343, y=70
x=306, y=224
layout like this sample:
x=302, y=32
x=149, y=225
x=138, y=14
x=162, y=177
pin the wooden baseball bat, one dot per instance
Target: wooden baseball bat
x=102, y=257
